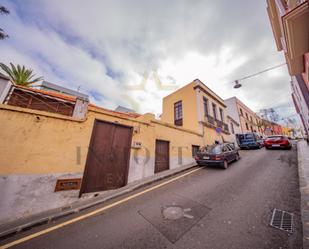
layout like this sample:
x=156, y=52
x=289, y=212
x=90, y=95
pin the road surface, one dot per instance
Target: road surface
x=209, y=208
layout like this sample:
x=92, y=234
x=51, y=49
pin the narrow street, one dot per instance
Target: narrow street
x=222, y=209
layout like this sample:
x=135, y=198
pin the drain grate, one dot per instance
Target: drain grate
x=282, y=220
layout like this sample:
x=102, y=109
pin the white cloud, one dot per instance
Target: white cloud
x=84, y=43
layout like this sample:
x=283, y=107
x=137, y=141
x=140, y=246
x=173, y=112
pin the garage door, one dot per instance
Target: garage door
x=162, y=156
x=108, y=157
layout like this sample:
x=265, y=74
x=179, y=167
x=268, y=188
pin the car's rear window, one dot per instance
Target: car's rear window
x=276, y=137
x=245, y=136
x=213, y=149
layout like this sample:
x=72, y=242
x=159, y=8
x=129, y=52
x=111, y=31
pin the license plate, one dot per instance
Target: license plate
x=205, y=157
x=276, y=145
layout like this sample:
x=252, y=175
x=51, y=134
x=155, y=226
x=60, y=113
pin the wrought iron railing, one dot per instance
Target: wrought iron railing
x=225, y=127
x=210, y=120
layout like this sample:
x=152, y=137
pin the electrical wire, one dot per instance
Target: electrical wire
x=258, y=73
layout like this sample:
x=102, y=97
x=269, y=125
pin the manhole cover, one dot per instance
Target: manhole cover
x=176, y=212
x=172, y=213
x=282, y=220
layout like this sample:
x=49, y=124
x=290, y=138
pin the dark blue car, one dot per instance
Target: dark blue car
x=250, y=140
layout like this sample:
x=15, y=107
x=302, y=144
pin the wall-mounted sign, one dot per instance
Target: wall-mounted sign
x=136, y=145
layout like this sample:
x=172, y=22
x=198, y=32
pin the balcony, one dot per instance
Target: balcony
x=290, y=24
x=296, y=29
x=219, y=123
x=210, y=120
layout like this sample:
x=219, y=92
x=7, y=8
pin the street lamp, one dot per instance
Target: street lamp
x=237, y=84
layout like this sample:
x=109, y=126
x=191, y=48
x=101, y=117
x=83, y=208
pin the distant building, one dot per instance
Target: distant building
x=234, y=128
x=243, y=115
x=124, y=109
x=300, y=96
x=196, y=107
x=51, y=87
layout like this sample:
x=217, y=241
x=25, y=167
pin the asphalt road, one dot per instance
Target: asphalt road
x=210, y=208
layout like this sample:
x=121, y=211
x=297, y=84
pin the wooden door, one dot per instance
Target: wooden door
x=162, y=161
x=108, y=157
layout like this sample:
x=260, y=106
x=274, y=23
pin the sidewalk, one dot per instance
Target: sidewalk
x=303, y=171
x=11, y=228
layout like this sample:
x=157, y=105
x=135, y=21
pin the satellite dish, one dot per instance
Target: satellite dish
x=237, y=84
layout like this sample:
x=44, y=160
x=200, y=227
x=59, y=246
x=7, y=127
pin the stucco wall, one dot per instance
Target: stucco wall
x=189, y=107
x=39, y=147
x=232, y=108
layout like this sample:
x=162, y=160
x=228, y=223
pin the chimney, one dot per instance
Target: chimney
x=5, y=87
x=81, y=108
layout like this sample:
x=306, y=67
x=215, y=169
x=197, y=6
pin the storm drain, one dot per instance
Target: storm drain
x=282, y=220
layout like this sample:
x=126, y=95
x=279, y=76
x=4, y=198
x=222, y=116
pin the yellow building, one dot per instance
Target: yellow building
x=51, y=142
x=286, y=131
x=196, y=107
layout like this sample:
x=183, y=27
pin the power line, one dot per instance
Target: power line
x=237, y=84
x=263, y=71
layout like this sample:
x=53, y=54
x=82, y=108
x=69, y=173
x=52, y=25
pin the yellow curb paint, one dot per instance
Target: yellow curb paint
x=82, y=217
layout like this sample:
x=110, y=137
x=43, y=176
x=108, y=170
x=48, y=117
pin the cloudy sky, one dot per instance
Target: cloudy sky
x=118, y=51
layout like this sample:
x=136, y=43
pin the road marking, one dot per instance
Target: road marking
x=82, y=217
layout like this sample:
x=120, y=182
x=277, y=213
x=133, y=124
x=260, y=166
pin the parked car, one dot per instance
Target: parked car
x=217, y=155
x=277, y=141
x=249, y=140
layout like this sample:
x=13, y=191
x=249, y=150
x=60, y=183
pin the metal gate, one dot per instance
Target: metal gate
x=108, y=158
x=162, y=160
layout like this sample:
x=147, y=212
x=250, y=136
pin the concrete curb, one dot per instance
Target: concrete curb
x=12, y=228
x=303, y=172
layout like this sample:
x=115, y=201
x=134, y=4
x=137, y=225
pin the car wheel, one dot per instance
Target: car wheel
x=237, y=157
x=267, y=148
x=225, y=164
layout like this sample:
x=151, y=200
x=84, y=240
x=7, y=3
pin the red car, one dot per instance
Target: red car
x=277, y=141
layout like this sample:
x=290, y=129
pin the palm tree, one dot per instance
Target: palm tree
x=20, y=75
x=4, y=11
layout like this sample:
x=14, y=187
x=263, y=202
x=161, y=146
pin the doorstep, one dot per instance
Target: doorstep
x=87, y=201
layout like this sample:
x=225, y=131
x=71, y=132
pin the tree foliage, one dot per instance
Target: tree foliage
x=20, y=75
x=3, y=11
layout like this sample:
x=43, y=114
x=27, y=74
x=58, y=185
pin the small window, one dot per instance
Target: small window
x=247, y=127
x=195, y=149
x=232, y=128
x=247, y=116
x=178, y=113
x=214, y=110
x=221, y=114
x=241, y=113
x=205, y=103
